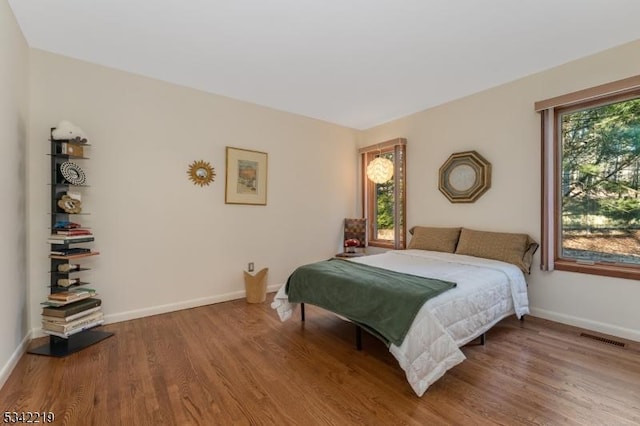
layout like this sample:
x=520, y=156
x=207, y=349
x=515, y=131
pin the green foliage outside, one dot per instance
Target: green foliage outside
x=601, y=167
x=385, y=205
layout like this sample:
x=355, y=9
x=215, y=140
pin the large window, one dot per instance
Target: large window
x=591, y=182
x=384, y=203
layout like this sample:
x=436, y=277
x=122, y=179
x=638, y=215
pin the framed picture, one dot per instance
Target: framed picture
x=246, y=181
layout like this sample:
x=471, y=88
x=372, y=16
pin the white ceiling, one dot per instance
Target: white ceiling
x=357, y=63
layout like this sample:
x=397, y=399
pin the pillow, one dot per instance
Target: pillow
x=527, y=259
x=434, y=239
x=517, y=249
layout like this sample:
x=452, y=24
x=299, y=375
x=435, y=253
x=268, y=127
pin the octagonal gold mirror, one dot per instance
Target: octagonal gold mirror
x=464, y=177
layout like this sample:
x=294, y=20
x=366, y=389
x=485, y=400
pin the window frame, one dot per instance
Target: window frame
x=551, y=193
x=368, y=153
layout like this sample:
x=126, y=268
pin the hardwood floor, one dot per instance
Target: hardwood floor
x=235, y=363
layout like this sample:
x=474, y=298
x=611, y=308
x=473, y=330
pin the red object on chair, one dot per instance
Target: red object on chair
x=351, y=244
x=355, y=234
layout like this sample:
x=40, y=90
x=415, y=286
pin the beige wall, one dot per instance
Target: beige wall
x=501, y=125
x=165, y=243
x=13, y=127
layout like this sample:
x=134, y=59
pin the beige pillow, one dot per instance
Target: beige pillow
x=527, y=259
x=517, y=249
x=434, y=239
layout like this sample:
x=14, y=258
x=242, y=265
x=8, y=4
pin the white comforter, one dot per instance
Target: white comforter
x=486, y=292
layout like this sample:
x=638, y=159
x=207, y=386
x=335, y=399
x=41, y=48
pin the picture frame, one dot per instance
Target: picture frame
x=246, y=177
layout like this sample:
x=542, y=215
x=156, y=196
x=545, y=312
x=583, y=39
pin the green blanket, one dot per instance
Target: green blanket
x=381, y=300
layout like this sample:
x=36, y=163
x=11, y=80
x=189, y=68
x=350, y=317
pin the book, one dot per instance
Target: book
x=67, y=251
x=72, y=325
x=73, y=256
x=75, y=239
x=58, y=303
x=66, y=297
x=71, y=308
x=58, y=324
x=75, y=330
x=57, y=236
x=68, y=319
x=77, y=231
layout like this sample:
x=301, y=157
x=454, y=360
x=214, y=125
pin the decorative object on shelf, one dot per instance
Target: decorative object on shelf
x=72, y=173
x=246, y=177
x=464, y=177
x=380, y=170
x=68, y=267
x=65, y=224
x=66, y=282
x=75, y=195
x=72, y=149
x=66, y=130
x=70, y=205
x=201, y=173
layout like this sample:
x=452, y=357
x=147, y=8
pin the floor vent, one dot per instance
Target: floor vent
x=603, y=340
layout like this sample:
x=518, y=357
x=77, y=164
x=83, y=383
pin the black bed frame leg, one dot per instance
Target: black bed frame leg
x=302, y=311
x=483, y=338
x=358, y=337
x=522, y=318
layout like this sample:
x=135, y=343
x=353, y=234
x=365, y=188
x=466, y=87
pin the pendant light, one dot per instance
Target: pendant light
x=380, y=170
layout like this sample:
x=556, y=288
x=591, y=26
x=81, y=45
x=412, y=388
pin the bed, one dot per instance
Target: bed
x=486, y=291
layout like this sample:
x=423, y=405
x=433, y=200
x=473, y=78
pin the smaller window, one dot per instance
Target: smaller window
x=384, y=203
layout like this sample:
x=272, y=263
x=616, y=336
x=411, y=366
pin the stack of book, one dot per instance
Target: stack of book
x=73, y=295
x=73, y=232
x=72, y=318
x=65, y=236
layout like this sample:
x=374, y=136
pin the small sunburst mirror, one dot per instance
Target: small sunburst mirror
x=201, y=173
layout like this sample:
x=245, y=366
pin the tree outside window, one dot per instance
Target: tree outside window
x=600, y=182
x=591, y=180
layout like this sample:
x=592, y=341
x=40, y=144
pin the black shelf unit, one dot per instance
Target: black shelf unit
x=62, y=346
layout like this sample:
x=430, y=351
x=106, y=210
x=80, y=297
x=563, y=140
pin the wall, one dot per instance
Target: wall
x=165, y=243
x=13, y=127
x=502, y=126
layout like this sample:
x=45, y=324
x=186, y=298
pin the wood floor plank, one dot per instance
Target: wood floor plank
x=236, y=363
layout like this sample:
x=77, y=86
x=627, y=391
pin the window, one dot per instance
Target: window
x=591, y=180
x=384, y=203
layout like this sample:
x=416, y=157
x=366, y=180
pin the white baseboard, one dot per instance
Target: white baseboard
x=13, y=360
x=170, y=307
x=613, y=330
